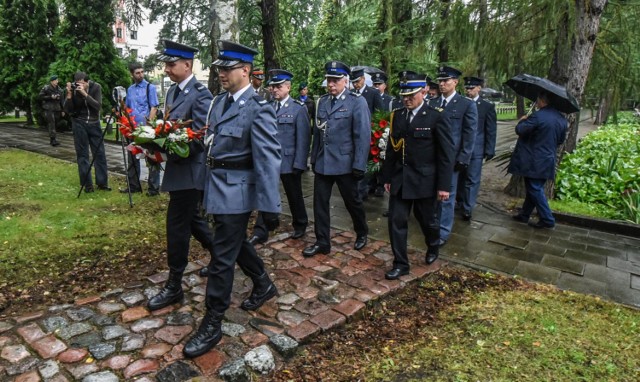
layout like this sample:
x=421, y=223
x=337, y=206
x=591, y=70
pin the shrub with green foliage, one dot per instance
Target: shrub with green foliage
x=605, y=169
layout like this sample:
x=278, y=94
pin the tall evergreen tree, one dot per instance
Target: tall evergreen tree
x=85, y=43
x=26, y=51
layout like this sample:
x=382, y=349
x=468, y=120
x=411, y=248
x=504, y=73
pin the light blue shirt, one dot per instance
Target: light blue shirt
x=139, y=102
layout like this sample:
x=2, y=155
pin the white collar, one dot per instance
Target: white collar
x=448, y=99
x=183, y=83
x=237, y=94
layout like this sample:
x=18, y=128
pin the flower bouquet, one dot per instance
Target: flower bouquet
x=158, y=137
x=379, y=138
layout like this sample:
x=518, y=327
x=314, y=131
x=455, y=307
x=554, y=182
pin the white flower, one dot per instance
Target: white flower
x=385, y=135
x=145, y=132
x=382, y=154
x=382, y=144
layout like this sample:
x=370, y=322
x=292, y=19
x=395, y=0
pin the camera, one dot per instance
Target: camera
x=74, y=86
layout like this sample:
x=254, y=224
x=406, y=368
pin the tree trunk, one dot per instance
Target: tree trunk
x=603, y=108
x=224, y=26
x=443, y=44
x=269, y=9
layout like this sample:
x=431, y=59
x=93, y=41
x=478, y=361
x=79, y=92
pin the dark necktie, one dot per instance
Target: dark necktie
x=409, y=116
x=333, y=101
x=227, y=104
x=175, y=93
x=277, y=106
x=444, y=103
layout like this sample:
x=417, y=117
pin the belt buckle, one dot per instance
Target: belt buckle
x=210, y=162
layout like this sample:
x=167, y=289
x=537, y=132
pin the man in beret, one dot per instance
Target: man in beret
x=339, y=153
x=463, y=116
x=51, y=96
x=187, y=99
x=417, y=170
x=483, y=149
x=294, y=135
x=243, y=167
x=257, y=78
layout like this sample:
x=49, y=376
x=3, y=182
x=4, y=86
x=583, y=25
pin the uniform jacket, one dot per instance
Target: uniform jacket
x=463, y=115
x=387, y=100
x=192, y=104
x=246, y=132
x=342, y=135
x=310, y=104
x=429, y=154
x=538, y=139
x=48, y=102
x=262, y=92
x=485, y=142
x=373, y=98
x=294, y=135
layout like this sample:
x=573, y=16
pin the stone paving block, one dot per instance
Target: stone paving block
x=29, y=316
x=567, y=244
x=80, y=314
x=49, y=347
x=22, y=366
x=81, y=370
x=73, y=330
x=102, y=376
x=580, y=284
x=537, y=272
x=303, y=331
x=565, y=265
x=459, y=253
x=564, y=230
x=14, y=353
x=117, y=362
x=113, y=331
x=102, y=350
x=31, y=376
x=54, y=322
x=173, y=334
x=585, y=257
x=155, y=350
x=134, y=314
x=141, y=366
x=606, y=252
x=31, y=333
x=512, y=240
x=622, y=265
x=72, y=355
x=88, y=300
x=635, y=282
x=520, y=255
x=292, y=318
x=5, y=326
x=596, y=272
x=614, y=244
x=496, y=262
x=48, y=369
x=544, y=249
x=159, y=278
x=210, y=362
x=624, y=295
x=253, y=338
x=328, y=319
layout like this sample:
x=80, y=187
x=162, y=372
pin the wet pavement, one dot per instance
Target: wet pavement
x=114, y=337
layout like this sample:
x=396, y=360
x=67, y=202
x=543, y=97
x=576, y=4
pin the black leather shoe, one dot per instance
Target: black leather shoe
x=126, y=190
x=263, y=290
x=361, y=241
x=204, y=272
x=431, y=256
x=298, y=233
x=104, y=187
x=256, y=240
x=385, y=214
x=540, y=224
x=152, y=193
x=466, y=215
x=171, y=293
x=89, y=190
x=395, y=273
x=208, y=335
x=314, y=249
x=520, y=218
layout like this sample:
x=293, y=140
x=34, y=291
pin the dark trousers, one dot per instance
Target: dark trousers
x=347, y=185
x=89, y=135
x=133, y=173
x=292, y=184
x=52, y=117
x=426, y=211
x=184, y=220
x=230, y=246
x=536, y=199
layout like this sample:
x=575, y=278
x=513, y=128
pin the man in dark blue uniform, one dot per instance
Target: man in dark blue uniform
x=484, y=147
x=294, y=135
x=534, y=158
x=463, y=117
x=379, y=80
x=304, y=97
x=417, y=170
x=339, y=153
x=187, y=99
x=371, y=95
x=243, y=164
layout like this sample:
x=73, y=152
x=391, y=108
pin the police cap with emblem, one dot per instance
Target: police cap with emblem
x=258, y=73
x=336, y=69
x=411, y=82
x=379, y=78
x=231, y=54
x=279, y=76
x=446, y=72
x=174, y=51
x=472, y=82
x=356, y=74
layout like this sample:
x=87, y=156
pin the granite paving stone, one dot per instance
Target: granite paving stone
x=107, y=307
x=580, y=284
x=565, y=265
x=22, y=367
x=55, y=322
x=141, y=366
x=232, y=330
x=102, y=376
x=88, y=300
x=5, y=326
x=15, y=353
x=114, y=331
x=499, y=263
x=210, y=362
x=48, y=369
x=537, y=272
x=84, y=340
x=117, y=362
x=176, y=372
x=73, y=330
x=132, y=342
x=78, y=371
x=31, y=332
x=80, y=314
x=635, y=282
x=586, y=257
x=147, y=324
x=29, y=317
x=622, y=265
x=49, y=347
x=173, y=334
x=510, y=240
x=72, y=355
x=155, y=350
x=102, y=350
x=31, y=376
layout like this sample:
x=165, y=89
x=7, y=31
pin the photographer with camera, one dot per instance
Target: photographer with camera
x=83, y=103
x=51, y=96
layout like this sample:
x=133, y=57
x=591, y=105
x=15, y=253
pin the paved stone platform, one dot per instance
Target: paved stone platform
x=113, y=337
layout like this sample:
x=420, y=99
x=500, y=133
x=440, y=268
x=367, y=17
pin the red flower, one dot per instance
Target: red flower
x=383, y=123
x=375, y=151
x=376, y=159
x=377, y=135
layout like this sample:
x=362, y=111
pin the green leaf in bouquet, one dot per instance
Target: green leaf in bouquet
x=181, y=149
x=141, y=140
x=160, y=141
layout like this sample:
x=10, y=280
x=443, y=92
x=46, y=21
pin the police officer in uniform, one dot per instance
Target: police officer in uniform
x=339, y=155
x=379, y=80
x=187, y=99
x=294, y=135
x=371, y=95
x=304, y=97
x=434, y=89
x=243, y=164
x=484, y=147
x=463, y=116
x=257, y=78
x=417, y=170
x=51, y=96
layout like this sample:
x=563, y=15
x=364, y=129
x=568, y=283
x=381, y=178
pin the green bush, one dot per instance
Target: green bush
x=605, y=169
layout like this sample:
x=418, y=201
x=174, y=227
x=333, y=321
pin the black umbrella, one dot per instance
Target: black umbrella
x=530, y=86
x=492, y=93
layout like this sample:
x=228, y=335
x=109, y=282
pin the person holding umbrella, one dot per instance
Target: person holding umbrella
x=534, y=157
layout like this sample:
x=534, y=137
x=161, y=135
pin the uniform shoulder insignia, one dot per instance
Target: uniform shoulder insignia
x=436, y=108
x=199, y=86
x=259, y=99
x=355, y=94
x=298, y=102
x=396, y=109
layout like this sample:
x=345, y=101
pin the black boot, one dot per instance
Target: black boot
x=263, y=290
x=170, y=294
x=208, y=335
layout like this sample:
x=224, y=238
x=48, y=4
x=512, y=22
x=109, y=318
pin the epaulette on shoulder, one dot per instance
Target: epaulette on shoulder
x=355, y=94
x=298, y=102
x=398, y=108
x=261, y=101
x=199, y=86
x=438, y=109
